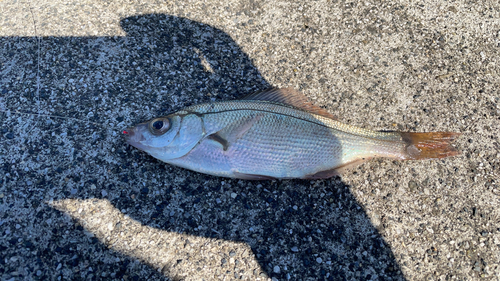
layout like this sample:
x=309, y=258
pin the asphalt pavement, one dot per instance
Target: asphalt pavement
x=78, y=203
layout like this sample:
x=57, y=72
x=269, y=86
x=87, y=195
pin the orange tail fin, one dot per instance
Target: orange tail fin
x=429, y=145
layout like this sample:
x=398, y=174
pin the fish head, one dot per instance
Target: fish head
x=167, y=137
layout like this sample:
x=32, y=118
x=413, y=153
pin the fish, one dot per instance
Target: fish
x=275, y=134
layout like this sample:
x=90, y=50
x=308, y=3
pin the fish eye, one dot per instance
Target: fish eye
x=159, y=126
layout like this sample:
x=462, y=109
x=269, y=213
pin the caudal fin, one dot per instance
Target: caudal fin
x=429, y=145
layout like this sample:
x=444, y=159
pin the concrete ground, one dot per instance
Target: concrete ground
x=78, y=203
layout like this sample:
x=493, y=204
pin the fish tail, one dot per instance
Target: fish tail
x=429, y=145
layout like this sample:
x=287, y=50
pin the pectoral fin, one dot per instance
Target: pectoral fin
x=217, y=138
x=233, y=132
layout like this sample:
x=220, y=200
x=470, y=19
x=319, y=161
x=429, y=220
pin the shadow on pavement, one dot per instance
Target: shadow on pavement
x=311, y=230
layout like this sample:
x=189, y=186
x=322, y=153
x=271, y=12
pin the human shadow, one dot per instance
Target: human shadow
x=308, y=230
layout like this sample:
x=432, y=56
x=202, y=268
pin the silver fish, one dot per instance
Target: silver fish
x=275, y=134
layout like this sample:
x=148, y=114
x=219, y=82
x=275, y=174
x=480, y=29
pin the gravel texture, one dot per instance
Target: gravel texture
x=77, y=203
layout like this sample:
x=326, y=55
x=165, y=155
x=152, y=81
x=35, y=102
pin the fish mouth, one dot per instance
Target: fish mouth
x=134, y=137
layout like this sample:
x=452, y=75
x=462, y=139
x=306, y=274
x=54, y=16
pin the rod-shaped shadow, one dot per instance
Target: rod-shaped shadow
x=307, y=230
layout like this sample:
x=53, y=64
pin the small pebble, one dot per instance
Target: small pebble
x=319, y=260
x=104, y=193
x=233, y=195
x=295, y=249
x=412, y=185
x=276, y=269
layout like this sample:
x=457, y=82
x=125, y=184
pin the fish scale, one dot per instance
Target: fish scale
x=290, y=143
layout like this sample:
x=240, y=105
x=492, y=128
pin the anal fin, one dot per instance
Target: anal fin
x=335, y=171
x=252, y=176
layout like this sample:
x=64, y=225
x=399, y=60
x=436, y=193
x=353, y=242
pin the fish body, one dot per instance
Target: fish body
x=274, y=134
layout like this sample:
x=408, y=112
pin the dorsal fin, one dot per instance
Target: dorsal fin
x=291, y=97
